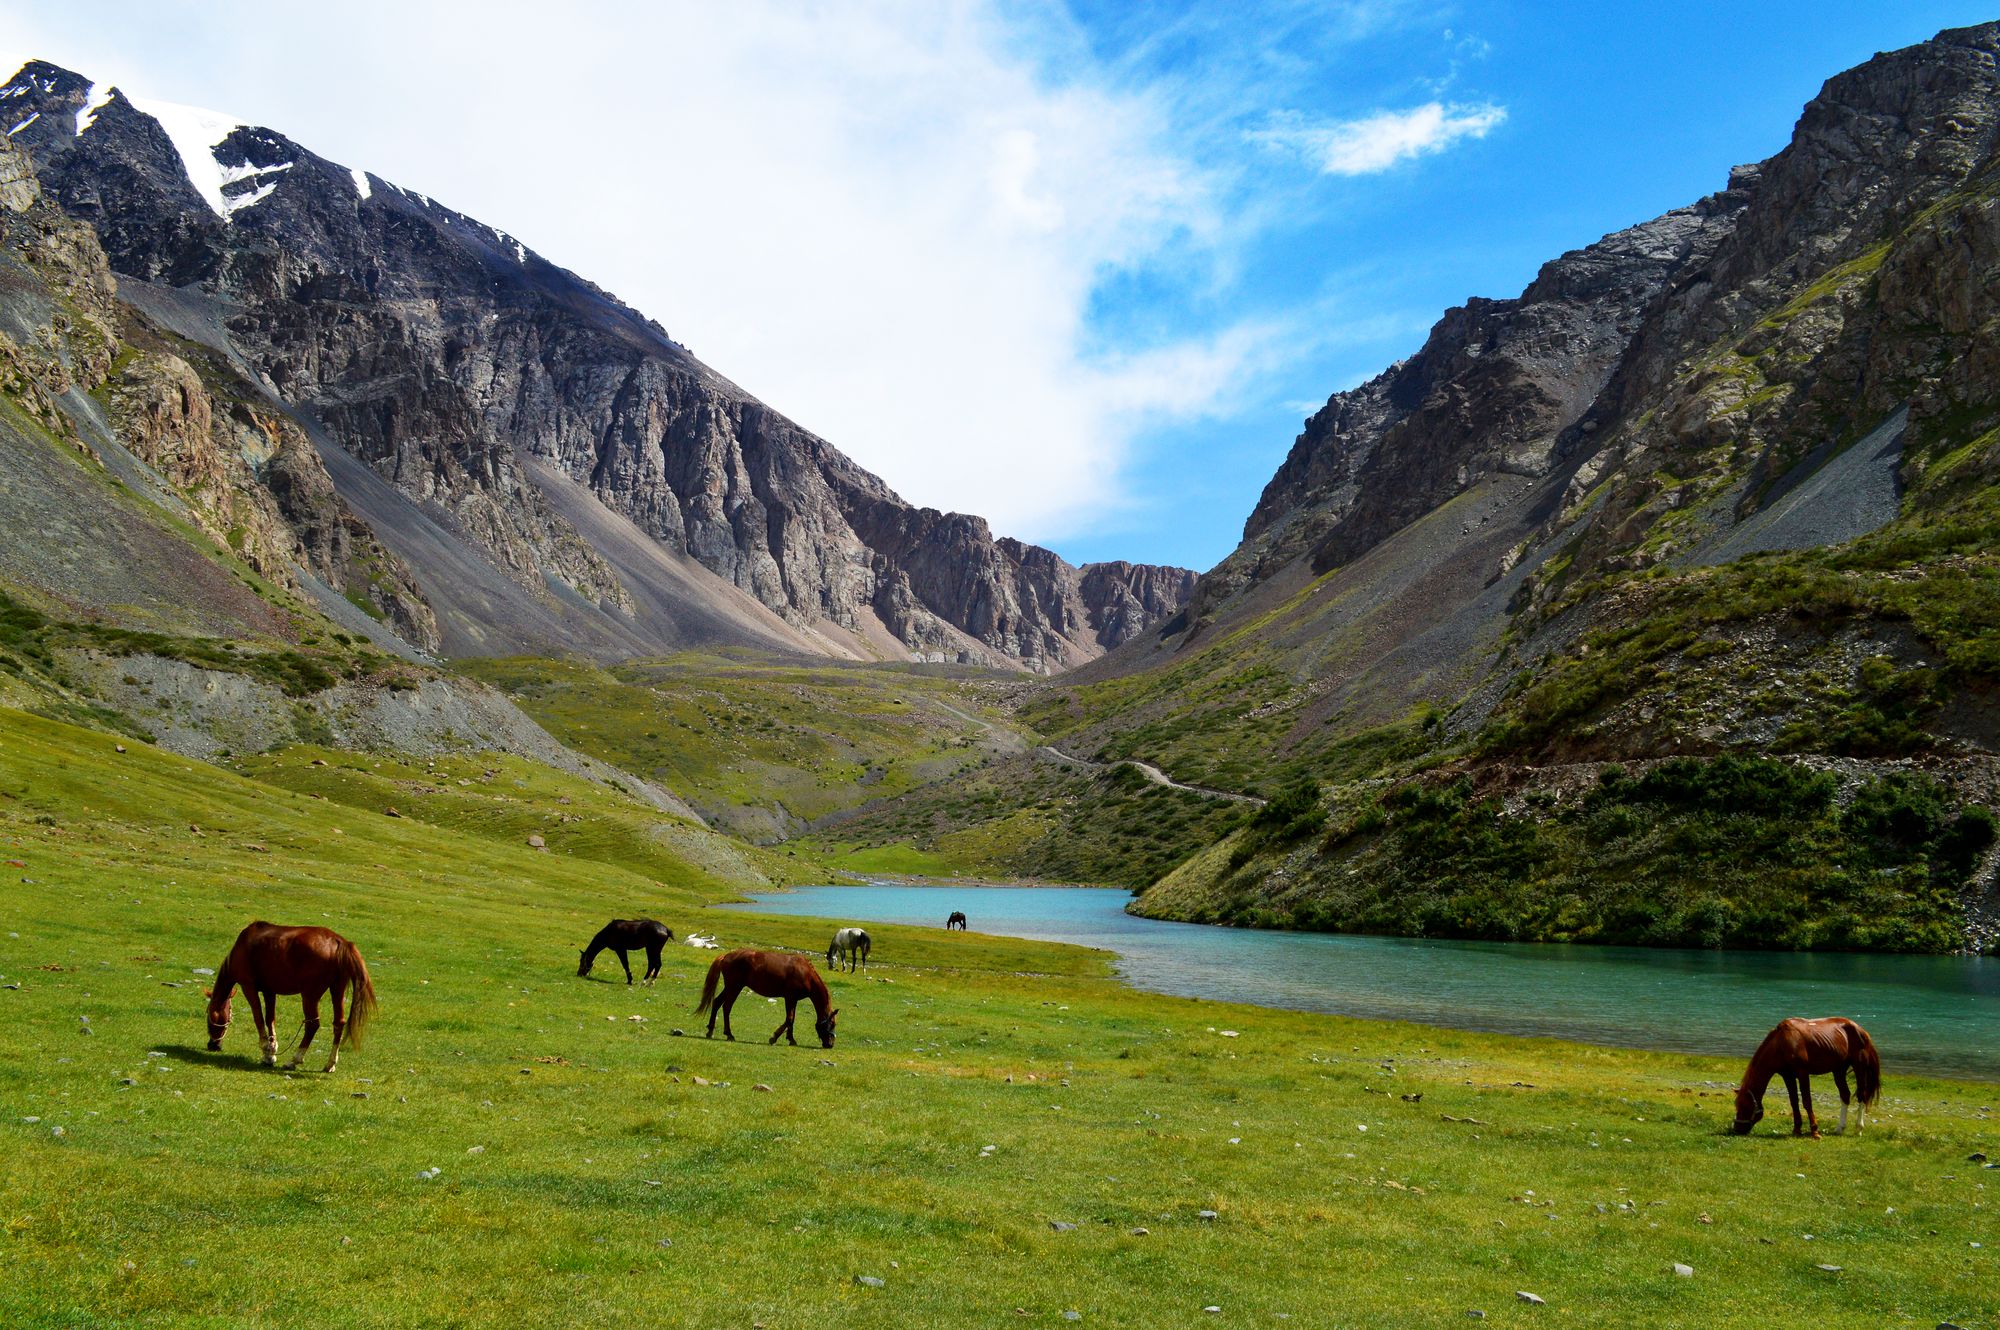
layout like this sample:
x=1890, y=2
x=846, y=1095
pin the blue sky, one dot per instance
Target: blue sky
x=1082, y=268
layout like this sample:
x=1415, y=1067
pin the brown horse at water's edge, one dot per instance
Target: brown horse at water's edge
x=767, y=974
x=1798, y=1050
x=270, y=959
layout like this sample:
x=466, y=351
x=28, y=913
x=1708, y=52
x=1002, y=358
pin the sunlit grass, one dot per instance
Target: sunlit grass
x=572, y=1141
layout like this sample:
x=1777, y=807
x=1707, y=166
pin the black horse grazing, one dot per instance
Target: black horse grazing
x=623, y=935
x=957, y=921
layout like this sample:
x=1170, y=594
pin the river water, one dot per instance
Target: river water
x=1936, y=1014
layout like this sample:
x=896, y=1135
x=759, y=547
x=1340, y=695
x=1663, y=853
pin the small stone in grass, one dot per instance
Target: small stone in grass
x=666, y=1242
x=761, y=1088
x=1137, y=1232
x=1212, y=1310
x=1062, y=1227
x=1830, y=1269
x=1530, y=1298
x=869, y=1281
x=1476, y=1314
x=1072, y=1316
x=475, y=1149
x=1207, y=1214
x=1684, y=1271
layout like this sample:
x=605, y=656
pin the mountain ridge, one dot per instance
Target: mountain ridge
x=442, y=353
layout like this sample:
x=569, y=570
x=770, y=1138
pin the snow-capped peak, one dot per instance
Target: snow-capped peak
x=196, y=134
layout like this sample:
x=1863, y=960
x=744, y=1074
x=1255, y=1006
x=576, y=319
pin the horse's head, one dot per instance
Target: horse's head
x=582, y=963
x=824, y=1025
x=1749, y=1112
x=218, y=1020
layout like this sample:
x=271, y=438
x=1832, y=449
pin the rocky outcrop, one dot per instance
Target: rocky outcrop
x=1494, y=387
x=1674, y=371
x=442, y=352
x=246, y=475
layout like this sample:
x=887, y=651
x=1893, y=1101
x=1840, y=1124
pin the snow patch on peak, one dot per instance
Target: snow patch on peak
x=94, y=101
x=195, y=134
x=361, y=185
x=261, y=185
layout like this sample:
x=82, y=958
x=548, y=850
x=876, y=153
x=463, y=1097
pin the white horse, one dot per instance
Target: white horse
x=848, y=943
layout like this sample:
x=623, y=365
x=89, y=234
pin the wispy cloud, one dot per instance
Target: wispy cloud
x=1377, y=142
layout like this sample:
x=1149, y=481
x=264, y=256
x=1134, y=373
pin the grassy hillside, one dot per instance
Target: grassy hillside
x=760, y=747
x=585, y=1173
x=1725, y=852
x=1032, y=818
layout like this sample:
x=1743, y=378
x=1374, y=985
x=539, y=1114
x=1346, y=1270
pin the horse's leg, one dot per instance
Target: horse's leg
x=1805, y=1089
x=270, y=1001
x=1840, y=1084
x=1792, y=1089
x=729, y=992
x=339, y=1025
x=652, y=963
x=627, y=964
x=266, y=1046
x=309, y=1004
x=791, y=1010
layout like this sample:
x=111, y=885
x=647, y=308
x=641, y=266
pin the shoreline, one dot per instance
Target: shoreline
x=1159, y=972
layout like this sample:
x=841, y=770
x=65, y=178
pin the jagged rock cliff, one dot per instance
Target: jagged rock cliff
x=466, y=371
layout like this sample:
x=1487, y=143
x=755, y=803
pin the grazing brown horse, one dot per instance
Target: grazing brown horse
x=957, y=921
x=269, y=959
x=623, y=935
x=1799, y=1050
x=767, y=974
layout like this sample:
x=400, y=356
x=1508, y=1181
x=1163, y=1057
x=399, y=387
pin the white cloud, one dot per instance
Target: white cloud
x=1377, y=142
x=888, y=219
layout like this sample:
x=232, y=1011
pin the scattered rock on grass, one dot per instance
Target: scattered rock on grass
x=1684, y=1271
x=1137, y=1232
x=1062, y=1227
x=1530, y=1298
x=1830, y=1269
x=870, y=1281
x=1207, y=1214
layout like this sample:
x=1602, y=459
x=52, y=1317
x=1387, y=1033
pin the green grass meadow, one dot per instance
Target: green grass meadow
x=587, y=1176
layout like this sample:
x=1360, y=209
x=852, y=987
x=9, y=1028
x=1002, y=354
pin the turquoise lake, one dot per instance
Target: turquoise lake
x=1935, y=1014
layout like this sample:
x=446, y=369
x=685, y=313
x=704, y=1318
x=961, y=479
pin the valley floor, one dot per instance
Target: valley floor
x=985, y=1096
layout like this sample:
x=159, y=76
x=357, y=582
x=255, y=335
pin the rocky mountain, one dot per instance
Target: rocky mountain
x=1723, y=486
x=553, y=470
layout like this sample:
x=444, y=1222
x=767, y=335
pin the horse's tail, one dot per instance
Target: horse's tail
x=361, y=991
x=1867, y=1063
x=708, y=986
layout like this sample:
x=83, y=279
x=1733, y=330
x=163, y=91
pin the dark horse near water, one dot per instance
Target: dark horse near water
x=957, y=921
x=767, y=974
x=1799, y=1050
x=623, y=935
x=269, y=959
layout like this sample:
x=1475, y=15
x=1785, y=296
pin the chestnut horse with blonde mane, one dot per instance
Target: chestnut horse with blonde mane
x=767, y=974
x=1799, y=1050
x=269, y=959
